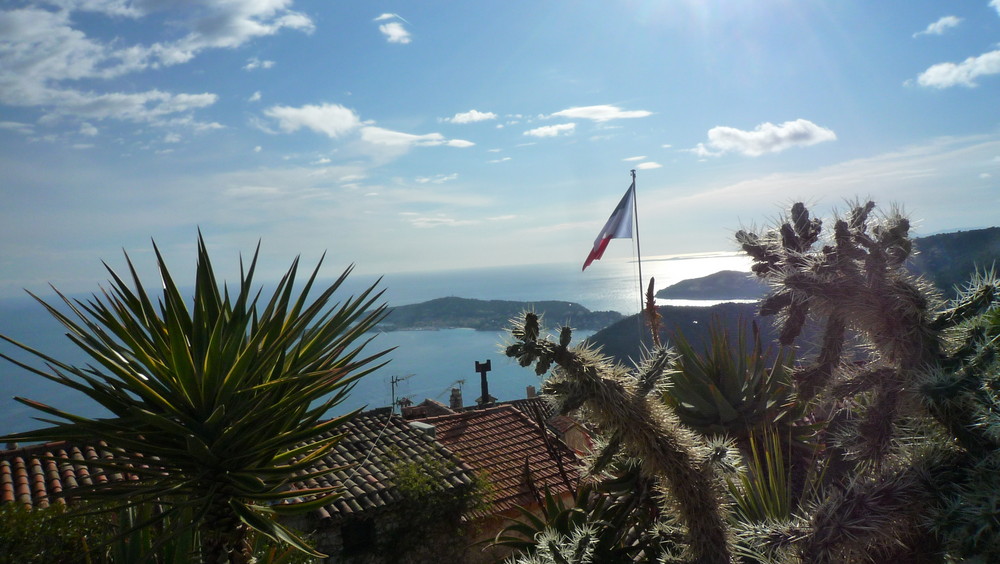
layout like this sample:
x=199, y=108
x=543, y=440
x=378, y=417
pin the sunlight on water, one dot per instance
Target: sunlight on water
x=431, y=361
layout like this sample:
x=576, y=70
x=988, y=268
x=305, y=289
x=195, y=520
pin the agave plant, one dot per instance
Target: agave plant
x=212, y=397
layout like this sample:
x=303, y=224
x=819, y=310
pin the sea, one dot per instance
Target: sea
x=423, y=365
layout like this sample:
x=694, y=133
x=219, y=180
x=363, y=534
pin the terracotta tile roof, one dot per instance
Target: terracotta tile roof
x=510, y=450
x=362, y=462
x=30, y=477
x=532, y=406
x=426, y=408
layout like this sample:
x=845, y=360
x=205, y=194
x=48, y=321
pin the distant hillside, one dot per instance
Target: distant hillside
x=950, y=259
x=492, y=315
x=723, y=285
x=619, y=340
x=947, y=260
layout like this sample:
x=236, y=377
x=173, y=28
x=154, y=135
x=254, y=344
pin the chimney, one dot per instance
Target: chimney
x=455, y=402
x=531, y=392
x=426, y=428
x=482, y=368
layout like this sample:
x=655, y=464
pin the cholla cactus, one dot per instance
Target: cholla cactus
x=912, y=464
x=923, y=405
x=620, y=404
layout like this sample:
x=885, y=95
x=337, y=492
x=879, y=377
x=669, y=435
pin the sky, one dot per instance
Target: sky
x=423, y=136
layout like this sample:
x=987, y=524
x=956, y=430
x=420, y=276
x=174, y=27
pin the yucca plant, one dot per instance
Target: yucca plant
x=732, y=387
x=215, y=399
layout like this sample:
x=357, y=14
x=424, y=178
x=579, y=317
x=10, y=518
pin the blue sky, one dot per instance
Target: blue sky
x=408, y=136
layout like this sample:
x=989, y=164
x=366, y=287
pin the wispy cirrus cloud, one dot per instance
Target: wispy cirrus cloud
x=940, y=26
x=601, y=113
x=436, y=179
x=551, y=130
x=381, y=136
x=765, y=138
x=23, y=128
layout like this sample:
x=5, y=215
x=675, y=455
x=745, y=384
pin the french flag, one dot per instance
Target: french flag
x=619, y=226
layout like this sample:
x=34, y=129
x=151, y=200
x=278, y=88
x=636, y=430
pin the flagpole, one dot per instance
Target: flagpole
x=638, y=250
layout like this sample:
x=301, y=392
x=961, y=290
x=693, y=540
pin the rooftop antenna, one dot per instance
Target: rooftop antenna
x=393, y=381
x=460, y=383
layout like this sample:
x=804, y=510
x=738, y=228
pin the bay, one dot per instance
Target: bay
x=426, y=363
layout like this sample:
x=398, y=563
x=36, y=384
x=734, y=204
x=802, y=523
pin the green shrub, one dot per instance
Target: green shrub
x=50, y=535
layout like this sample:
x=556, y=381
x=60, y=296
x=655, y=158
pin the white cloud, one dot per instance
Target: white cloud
x=41, y=48
x=648, y=166
x=945, y=75
x=171, y=138
x=254, y=63
x=387, y=137
x=551, y=130
x=996, y=5
x=227, y=24
x=388, y=16
x=258, y=149
x=151, y=106
x=43, y=54
x=440, y=221
x=765, y=138
x=601, y=113
x=471, y=116
x=631, y=159
x=109, y=7
x=88, y=129
x=437, y=179
x=336, y=121
x=501, y=160
x=332, y=120
x=940, y=26
x=255, y=97
x=394, y=32
x=381, y=136
x=25, y=128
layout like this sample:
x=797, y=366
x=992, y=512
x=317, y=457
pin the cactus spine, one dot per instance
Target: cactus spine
x=620, y=404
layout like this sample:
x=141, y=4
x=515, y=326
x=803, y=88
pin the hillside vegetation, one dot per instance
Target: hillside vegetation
x=491, y=315
x=949, y=260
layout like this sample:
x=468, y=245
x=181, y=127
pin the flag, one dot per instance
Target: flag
x=619, y=226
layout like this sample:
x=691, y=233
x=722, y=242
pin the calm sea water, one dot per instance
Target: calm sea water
x=427, y=363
